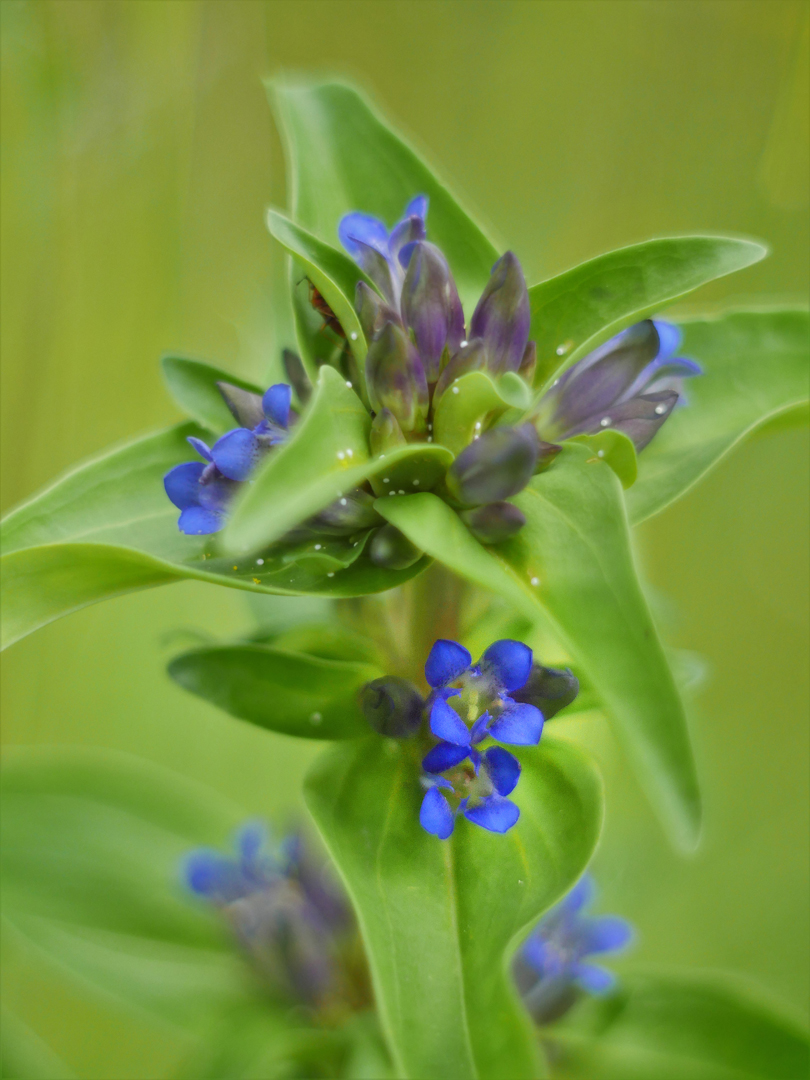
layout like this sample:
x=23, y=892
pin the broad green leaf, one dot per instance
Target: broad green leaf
x=278, y=689
x=572, y=564
x=617, y=451
x=332, y=273
x=680, y=1026
x=575, y=311
x=327, y=457
x=756, y=371
x=107, y=528
x=91, y=878
x=467, y=403
x=439, y=918
x=342, y=156
x=24, y=1055
x=193, y=385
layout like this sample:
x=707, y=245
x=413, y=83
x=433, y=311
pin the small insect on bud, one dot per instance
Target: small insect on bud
x=494, y=523
x=392, y=706
x=391, y=549
x=549, y=689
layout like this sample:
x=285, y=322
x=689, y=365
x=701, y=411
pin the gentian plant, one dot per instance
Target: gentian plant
x=452, y=460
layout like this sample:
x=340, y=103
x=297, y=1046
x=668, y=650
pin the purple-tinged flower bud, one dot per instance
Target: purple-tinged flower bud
x=503, y=315
x=470, y=357
x=392, y=549
x=392, y=706
x=546, y=453
x=528, y=365
x=386, y=434
x=494, y=467
x=549, y=689
x=372, y=310
x=494, y=523
x=430, y=305
x=245, y=406
x=348, y=514
x=396, y=378
x=297, y=375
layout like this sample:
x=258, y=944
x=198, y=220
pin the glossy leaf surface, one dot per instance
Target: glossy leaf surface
x=756, y=370
x=277, y=689
x=438, y=916
x=469, y=401
x=342, y=156
x=680, y=1026
x=573, y=312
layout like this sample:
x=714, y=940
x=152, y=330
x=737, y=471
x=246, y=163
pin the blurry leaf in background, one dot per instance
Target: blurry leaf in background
x=25, y=1056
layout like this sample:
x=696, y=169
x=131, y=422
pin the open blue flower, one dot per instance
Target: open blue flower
x=203, y=493
x=377, y=251
x=552, y=965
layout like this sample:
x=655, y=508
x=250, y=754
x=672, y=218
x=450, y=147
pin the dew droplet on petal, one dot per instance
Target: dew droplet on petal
x=660, y=410
x=605, y=421
x=462, y=344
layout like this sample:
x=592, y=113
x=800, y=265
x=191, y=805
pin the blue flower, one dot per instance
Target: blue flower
x=468, y=704
x=203, y=493
x=377, y=251
x=631, y=383
x=552, y=966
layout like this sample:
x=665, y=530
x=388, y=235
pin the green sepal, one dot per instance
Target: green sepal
x=440, y=918
x=472, y=399
x=616, y=450
x=277, y=689
x=193, y=385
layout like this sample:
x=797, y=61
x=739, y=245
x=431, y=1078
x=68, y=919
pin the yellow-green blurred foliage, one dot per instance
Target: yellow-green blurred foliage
x=138, y=155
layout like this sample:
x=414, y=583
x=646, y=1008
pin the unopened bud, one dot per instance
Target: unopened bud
x=392, y=706
x=297, y=375
x=392, y=549
x=372, y=311
x=396, y=378
x=546, y=453
x=386, y=434
x=431, y=306
x=470, y=357
x=494, y=467
x=245, y=406
x=494, y=523
x=528, y=365
x=503, y=315
x=346, y=515
x=549, y=689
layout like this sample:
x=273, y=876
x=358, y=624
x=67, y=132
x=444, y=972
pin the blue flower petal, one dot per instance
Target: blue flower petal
x=595, y=980
x=511, y=662
x=605, y=934
x=669, y=337
x=216, y=493
x=503, y=769
x=519, y=724
x=447, y=660
x=195, y=521
x=493, y=813
x=202, y=448
x=535, y=953
x=236, y=454
x=417, y=207
x=250, y=839
x=182, y=484
x=445, y=723
x=579, y=896
x=208, y=873
x=406, y=233
x=443, y=757
x=480, y=729
x=356, y=228
x=276, y=404
x=435, y=816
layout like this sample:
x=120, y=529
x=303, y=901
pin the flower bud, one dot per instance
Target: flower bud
x=494, y=523
x=393, y=550
x=430, y=305
x=346, y=515
x=396, y=378
x=549, y=689
x=245, y=406
x=528, y=365
x=503, y=315
x=386, y=434
x=470, y=357
x=546, y=453
x=392, y=706
x=497, y=465
x=372, y=311
x=297, y=375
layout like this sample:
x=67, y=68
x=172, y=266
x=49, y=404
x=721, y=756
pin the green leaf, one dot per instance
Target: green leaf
x=572, y=564
x=24, y=1055
x=342, y=156
x=617, y=451
x=756, y=371
x=680, y=1026
x=575, y=311
x=327, y=456
x=91, y=856
x=278, y=689
x=439, y=917
x=193, y=385
x=107, y=528
x=332, y=273
x=469, y=401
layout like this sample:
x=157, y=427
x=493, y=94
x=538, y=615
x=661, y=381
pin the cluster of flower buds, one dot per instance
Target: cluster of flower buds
x=551, y=969
x=504, y=698
x=287, y=917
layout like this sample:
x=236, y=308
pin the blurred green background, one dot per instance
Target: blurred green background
x=138, y=155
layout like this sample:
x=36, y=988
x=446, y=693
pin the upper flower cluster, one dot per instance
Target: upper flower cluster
x=551, y=968
x=284, y=913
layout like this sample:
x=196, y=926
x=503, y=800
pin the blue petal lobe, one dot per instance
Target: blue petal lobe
x=356, y=228
x=595, y=980
x=206, y=872
x=236, y=453
x=669, y=337
x=201, y=447
x=447, y=660
x=195, y=521
x=182, y=484
x=503, y=769
x=519, y=724
x=250, y=840
x=417, y=207
x=435, y=815
x=480, y=729
x=445, y=723
x=606, y=933
x=494, y=813
x=579, y=896
x=443, y=757
x=511, y=661
x=276, y=404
